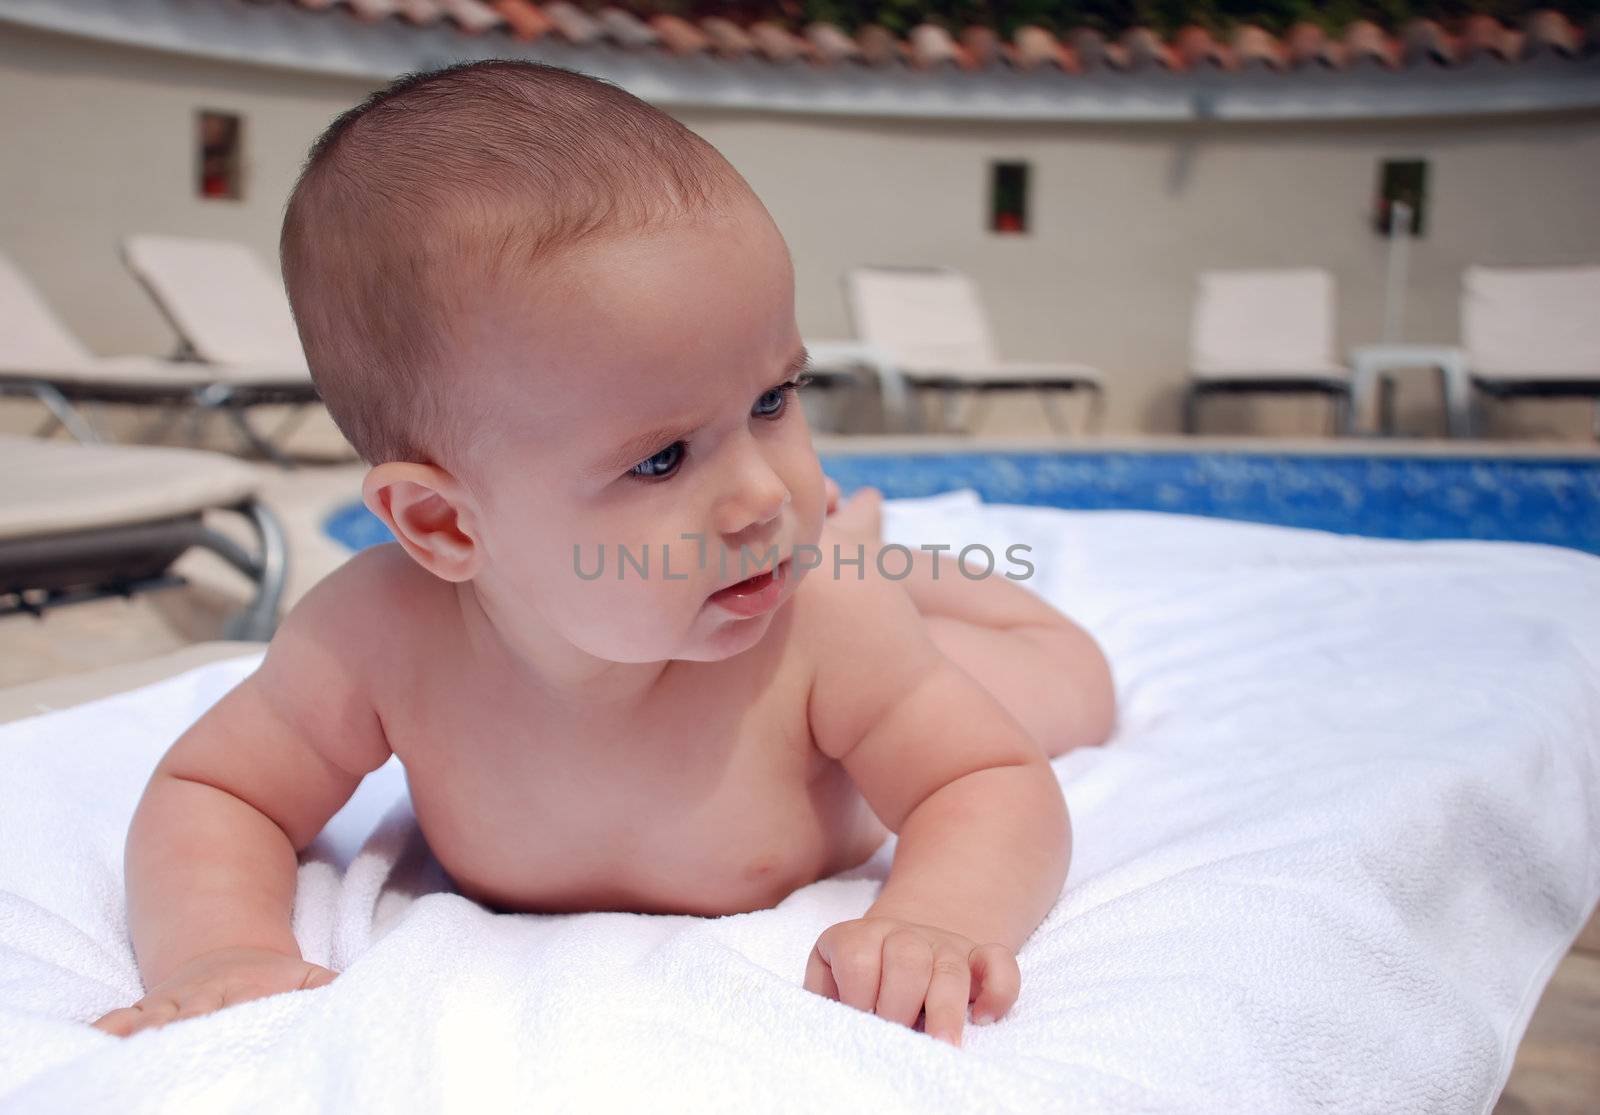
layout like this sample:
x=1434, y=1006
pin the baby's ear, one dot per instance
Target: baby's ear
x=430, y=513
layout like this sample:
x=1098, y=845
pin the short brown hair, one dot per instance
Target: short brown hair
x=464, y=171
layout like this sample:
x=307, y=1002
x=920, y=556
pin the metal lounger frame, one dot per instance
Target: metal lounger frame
x=119, y=560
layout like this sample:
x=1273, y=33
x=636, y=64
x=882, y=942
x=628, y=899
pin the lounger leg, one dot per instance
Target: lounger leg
x=197, y=419
x=978, y=411
x=267, y=449
x=270, y=571
x=76, y=424
x=1191, y=409
x=1341, y=413
x=219, y=397
x=1052, y=410
x=291, y=422
x=1096, y=418
x=1456, y=383
x=1474, y=418
x=1386, y=393
x=902, y=402
x=159, y=426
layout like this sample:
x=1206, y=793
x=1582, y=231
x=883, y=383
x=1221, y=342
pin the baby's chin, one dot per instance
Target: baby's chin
x=713, y=639
x=729, y=637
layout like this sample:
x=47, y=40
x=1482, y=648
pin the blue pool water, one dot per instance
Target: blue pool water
x=1554, y=500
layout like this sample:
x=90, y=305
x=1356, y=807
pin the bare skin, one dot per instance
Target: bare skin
x=631, y=743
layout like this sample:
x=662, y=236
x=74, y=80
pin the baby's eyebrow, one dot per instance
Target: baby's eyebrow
x=636, y=449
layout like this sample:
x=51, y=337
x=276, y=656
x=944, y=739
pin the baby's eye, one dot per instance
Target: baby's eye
x=774, y=402
x=662, y=465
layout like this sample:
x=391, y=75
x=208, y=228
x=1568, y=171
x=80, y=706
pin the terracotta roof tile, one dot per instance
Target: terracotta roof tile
x=1483, y=36
x=829, y=44
x=1146, y=50
x=679, y=35
x=526, y=20
x=1421, y=44
x=625, y=28
x=472, y=16
x=1093, y=52
x=1364, y=41
x=933, y=48
x=374, y=9
x=1551, y=32
x=1423, y=40
x=1255, y=48
x=776, y=44
x=572, y=24
x=419, y=12
x=1309, y=46
x=1036, y=47
x=879, y=46
x=1197, y=50
x=726, y=37
x=984, y=47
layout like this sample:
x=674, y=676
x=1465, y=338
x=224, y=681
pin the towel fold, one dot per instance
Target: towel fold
x=1347, y=827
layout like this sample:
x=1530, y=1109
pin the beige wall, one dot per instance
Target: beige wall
x=98, y=142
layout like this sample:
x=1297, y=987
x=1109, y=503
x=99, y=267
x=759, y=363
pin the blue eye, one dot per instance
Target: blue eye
x=773, y=403
x=663, y=464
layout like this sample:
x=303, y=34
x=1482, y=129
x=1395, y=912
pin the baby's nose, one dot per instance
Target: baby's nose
x=755, y=504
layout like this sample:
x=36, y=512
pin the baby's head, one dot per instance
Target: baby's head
x=557, y=323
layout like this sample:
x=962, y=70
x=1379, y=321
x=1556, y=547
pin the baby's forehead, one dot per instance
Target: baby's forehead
x=654, y=312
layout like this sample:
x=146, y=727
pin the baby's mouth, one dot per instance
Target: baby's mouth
x=753, y=595
x=756, y=583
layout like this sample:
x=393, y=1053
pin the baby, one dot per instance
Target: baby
x=561, y=329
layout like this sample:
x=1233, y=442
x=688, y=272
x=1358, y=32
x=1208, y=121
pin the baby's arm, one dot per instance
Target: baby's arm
x=211, y=854
x=984, y=837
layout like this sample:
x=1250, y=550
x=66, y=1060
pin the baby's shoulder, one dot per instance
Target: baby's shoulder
x=379, y=596
x=847, y=607
x=359, y=629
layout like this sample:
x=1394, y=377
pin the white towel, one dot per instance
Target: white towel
x=1347, y=828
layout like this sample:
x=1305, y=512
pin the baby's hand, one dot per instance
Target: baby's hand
x=896, y=969
x=212, y=981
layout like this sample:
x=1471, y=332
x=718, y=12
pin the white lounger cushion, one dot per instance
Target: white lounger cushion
x=56, y=487
x=1264, y=325
x=933, y=322
x=221, y=298
x=1345, y=832
x=35, y=345
x=1532, y=322
x=31, y=336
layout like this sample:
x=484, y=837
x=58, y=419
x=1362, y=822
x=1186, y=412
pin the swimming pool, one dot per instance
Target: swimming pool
x=1553, y=500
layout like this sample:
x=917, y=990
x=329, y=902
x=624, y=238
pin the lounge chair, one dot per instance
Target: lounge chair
x=1259, y=332
x=229, y=311
x=40, y=357
x=932, y=322
x=840, y=365
x=1533, y=331
x=99, y=520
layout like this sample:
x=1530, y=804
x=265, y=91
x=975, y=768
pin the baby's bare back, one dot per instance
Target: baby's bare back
x=708, y=797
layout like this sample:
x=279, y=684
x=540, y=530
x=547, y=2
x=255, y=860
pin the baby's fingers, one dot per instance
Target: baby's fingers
x=907, y=968
x=819, y=979
x=946, y=1008
x=143, y=1015
x=853, y=958
x=996, y=982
